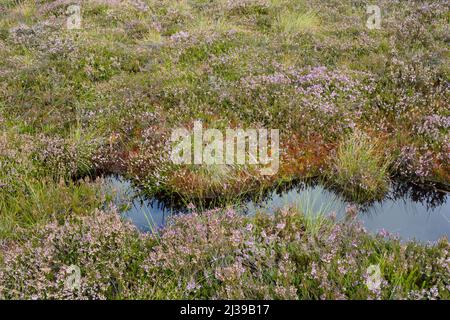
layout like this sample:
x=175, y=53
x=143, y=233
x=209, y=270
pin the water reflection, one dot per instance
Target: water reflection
x=146, y=214
x=407, y=211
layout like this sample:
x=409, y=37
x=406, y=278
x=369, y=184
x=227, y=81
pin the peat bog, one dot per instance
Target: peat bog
x=91, y=95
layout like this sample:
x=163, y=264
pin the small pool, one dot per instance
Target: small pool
x=407, y=212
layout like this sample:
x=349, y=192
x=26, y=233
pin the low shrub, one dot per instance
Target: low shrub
x=221, y=254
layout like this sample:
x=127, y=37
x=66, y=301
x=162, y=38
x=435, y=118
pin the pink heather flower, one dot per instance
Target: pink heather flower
x=351, y=210
x=192, y=286
x=281, y=225
x=236, y=238
x=314, y=270
x=182, y=35
x=383, y=232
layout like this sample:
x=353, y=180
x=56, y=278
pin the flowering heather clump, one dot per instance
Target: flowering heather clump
x=415, y=162
x=317, y=99
x=65, y=158
x=221, y=254
x=434, y=127
x=31, y=36
x=101, y=245
x=179, y=36
x=243, y=6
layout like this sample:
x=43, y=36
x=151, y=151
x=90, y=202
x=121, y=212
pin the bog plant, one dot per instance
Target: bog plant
x=355, y=106
x=220, y=254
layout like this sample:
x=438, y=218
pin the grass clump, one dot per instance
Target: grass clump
x=28, y=207
x=33, y=191
x=359, y=169
x=295, y=22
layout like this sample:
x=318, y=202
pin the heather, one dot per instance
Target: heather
x=219, y=254
x=105, y=97
x=357, y=109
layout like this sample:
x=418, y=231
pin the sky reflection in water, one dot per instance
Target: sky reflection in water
x=408, y=213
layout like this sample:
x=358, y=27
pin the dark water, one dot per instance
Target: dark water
x=407, y=212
